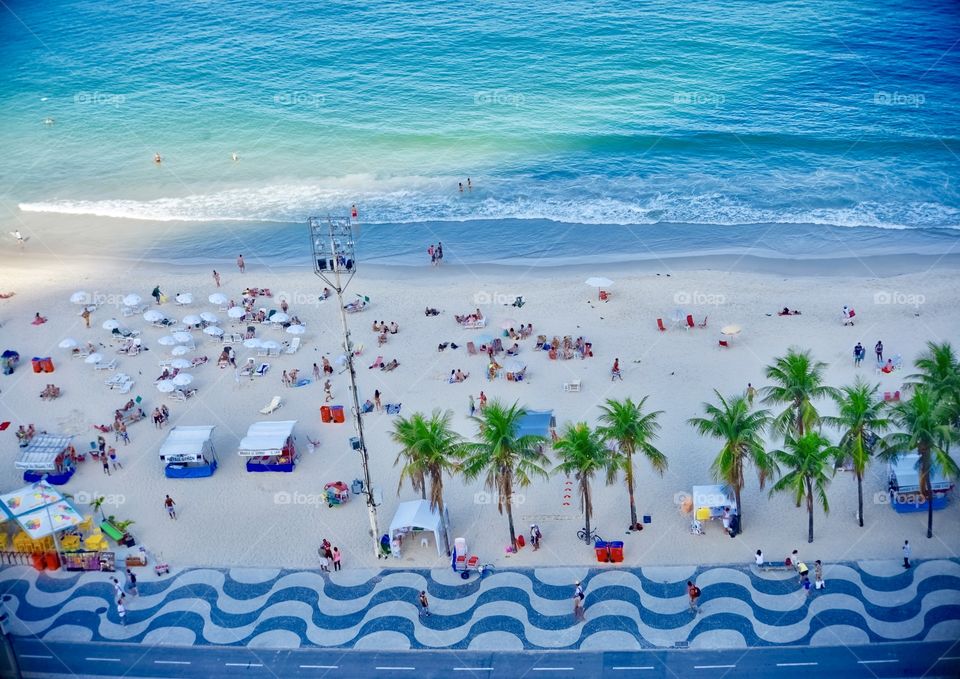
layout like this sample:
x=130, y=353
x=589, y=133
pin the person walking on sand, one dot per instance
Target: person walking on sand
x=878, y=348
x=316, y=372
x=694, y=593
x=818, y=575
x=906, y=554
x=376, y=400
x=483, y=400
x=122, y=430
x=85, y=315
x=578, y=614
x=327, y=390
x=121, y=612
x=324, y=561
x=132, y=583
x=578, y=591
x=424, y=605
x=615, y=370
x=751, y=393
x=156, y=294
x=336, y=558
x=106, y=465
x=117, y=588
x=857, y=355
x=171, y=507
x=473, y=406
x=112, y=453
x=241, y=264
x=216, y=278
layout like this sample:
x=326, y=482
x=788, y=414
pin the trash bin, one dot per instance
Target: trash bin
x=39, y=562
x=37, y=364
x=603, y=555
x=356, y=487
x=53, y=561
x=325, y=415
x=338, y=415
x=616, y=551
x=521, y=541
x=47, y=364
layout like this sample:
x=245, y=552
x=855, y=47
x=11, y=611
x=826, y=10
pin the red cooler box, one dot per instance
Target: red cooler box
x=325, y=414
x=338, y=415
x=37, y=364
x=46, y=364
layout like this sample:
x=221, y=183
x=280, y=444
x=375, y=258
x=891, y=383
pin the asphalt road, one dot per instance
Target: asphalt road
x=912, y=659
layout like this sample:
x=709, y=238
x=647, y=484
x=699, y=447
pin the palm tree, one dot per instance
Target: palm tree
x=860, y=417
x=428, y=448
x=97, y=504
x=924, y=421
x=798, y=382
x=809, y=459
x=583, y=452
x=740, y=429
x=938, y=369
x=633, y=431
x=507, y=459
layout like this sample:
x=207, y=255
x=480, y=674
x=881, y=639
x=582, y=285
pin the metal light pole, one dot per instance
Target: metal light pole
x=334, y=258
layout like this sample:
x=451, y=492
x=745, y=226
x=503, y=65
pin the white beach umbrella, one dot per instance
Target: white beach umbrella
x=514, y=365
x=185, y=298
x=296, y=329
x=67, y=343
x=270, y=344
x=207, y=317
x=236, y=312
x=730, y=330
x=252, y=343
x=132, y=299
x=598, y=282
x=182, y=379
x=213, y=331
x=93, y=358
x=192, y=319
x=217, y=298
x=180, y=363
x=279, y=317
x=153, y=316
x=180, y=350
x=80, y=297
x=167, y=341
x=182, y=337
x=111, y=324
x=165, y=386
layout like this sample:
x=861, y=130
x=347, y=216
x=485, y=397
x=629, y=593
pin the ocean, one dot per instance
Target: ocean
x=590, y=131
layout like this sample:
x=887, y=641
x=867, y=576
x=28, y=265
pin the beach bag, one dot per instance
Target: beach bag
x=163, y=298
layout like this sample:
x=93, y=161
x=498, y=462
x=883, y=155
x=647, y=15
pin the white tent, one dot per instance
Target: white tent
x=187, y=444
x=417, y=515
x=42, y=452
x=266, y=438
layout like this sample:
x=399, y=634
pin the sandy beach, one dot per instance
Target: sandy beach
x=238, y=518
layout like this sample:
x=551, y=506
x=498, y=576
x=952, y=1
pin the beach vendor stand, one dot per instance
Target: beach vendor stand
x=188, y=452
x=710, y=501
x=270, y=447
x=42, y=513
x=904, y=485
x=416, y=517
x=47, y=456
x=538, y=423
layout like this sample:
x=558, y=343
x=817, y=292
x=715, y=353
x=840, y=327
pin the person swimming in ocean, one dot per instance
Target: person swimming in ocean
x=234, y=157
x=157, y=159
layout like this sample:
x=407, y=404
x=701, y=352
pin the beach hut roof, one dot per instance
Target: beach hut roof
x=266, y=438
x=42, y=451
x=536, y=422
x=906, y=471
x=40, y=509
x=417, y=514
x=186, y=441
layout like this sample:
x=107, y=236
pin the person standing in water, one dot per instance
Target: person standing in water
x=157, y=158
x=216, y=278
x=241, y=264
x=469, y=185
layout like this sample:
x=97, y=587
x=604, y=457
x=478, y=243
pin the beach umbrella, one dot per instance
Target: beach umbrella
x=192, y=319
x=730, y=330
x=167, y=341
x=185, y=298
x=67, y=343
x=80, y=297
x=270, y=344
x=180, y=363
x=217, y=298
x=236, y=312
x=182, y=379
x=132, y=299
x=296, y=329
x=279, y=317
x=111, y=324
x=598, y=282
x=508, y=323
x=165, y=386
x=182, y=337
x=180, y=350
x=153, y=316
x=514, y=365
x=213, y=331
x=207, y=317
x=93, y=358
x=252, y=343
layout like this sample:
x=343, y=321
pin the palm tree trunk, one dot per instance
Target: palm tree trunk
x=925, y=487
x=860, y=498
x=633, y=503
x=809, y=512
x=736, y=496
x=585, y=490
x=508, y=485
x=443, y=522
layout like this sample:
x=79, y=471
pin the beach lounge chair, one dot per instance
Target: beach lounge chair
x=724, y=344
x=378, y=363
x=294, y=346
x=233, y=338
x=262, y=351
x=604, y=296
x=475, y=325
x=262, y=370
x=126, y=387
x=518, y=302
x=110, y=365
x=390, y=366
x=471, y=349
x=690, y=323
x=357, y=350
x=572, y=385
x=660, y=326
x=273, y=353
x=273, y=405
x=704, y=324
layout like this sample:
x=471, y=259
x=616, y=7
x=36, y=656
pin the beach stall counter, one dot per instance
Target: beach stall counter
x=48, y=457
x=270, y=447
x=188, y=452
x=904, y=486
x=709, y=503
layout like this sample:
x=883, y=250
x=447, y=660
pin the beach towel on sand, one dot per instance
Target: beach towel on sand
x=393, y=408
x=302, y=382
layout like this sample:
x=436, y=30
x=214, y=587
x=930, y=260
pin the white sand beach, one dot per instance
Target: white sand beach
x=239, y=518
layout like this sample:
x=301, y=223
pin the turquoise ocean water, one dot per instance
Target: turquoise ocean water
x=589, y=130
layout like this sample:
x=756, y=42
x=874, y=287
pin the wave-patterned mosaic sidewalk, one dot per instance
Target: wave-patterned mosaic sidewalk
x=864, y=602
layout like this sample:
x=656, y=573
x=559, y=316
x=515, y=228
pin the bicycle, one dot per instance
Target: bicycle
x=590, y=537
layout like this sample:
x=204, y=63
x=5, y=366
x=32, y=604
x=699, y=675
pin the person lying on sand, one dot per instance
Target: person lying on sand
x=430, y=311
x=6, y=295
x=38, y=319
x=788, y=312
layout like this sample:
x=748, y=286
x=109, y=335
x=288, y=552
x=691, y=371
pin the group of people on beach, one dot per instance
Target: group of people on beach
x=436, y=253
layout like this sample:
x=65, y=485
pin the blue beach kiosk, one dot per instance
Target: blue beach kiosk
x=49, y=457
x=188, y=452
x=905, y=495
x=270, y=447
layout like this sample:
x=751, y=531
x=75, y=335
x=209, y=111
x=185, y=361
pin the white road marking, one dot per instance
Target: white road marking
x=48, y=657
x=171, y=662
x=242, y=664
x=473, y=669
x=319, y=667
x=871, y=662
x=945, y=657
x=397, y=668
x=713, y=667
x=552, y=669
x=795, y=664
x=645, y=667
x=104, y=659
